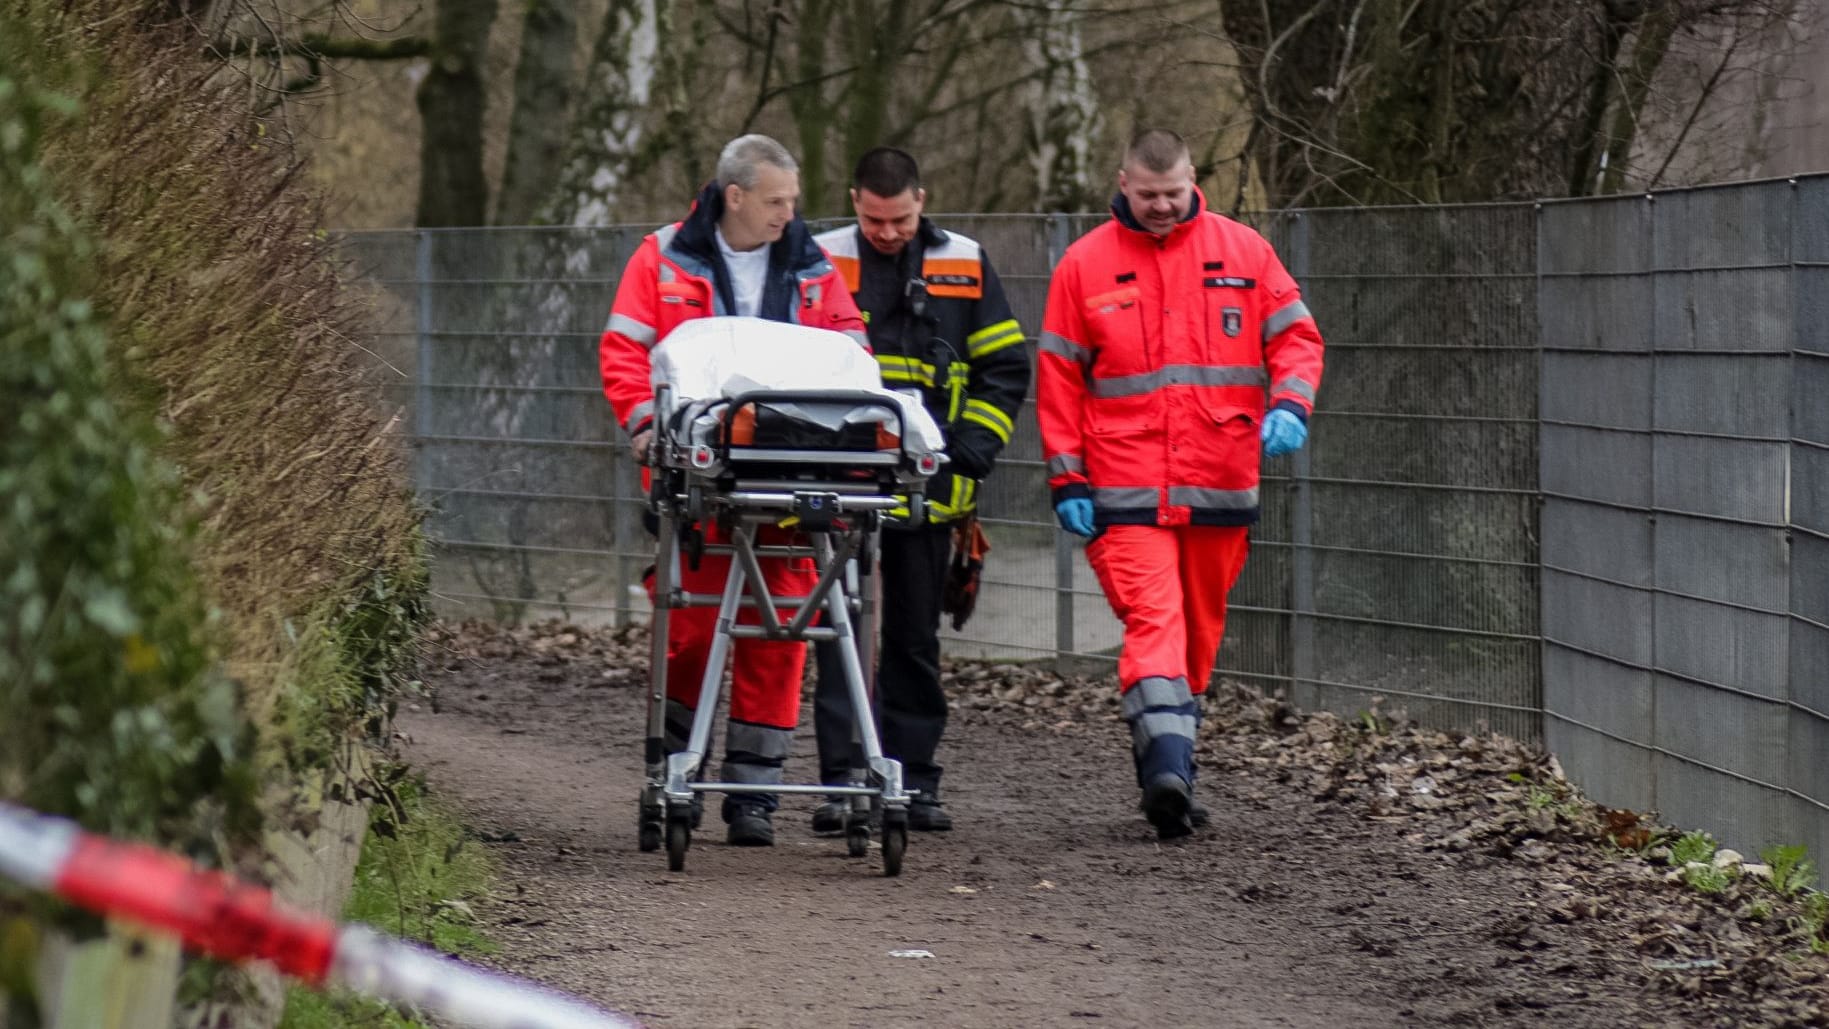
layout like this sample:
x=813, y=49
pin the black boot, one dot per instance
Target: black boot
x=926, y=815
x=751, y=826
x=1166, y=801
x=1198, y=815
x=829, y=817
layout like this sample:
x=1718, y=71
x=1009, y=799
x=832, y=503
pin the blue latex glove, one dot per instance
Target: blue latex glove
x=1075, y=515
x=1282, y=433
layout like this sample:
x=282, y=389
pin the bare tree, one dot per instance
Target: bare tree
x=452, y=187
x=609, y=129
x=537, y=131
x=1063, y=111
x=1365, y=101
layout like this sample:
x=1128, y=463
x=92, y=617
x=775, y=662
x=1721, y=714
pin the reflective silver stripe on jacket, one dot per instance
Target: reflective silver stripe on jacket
x=642, y=410
x=663, y=236
x=1300, y=387
x=1283, y=318
x=858, y=336
x=954, y=248
x=1061, y=346
x=1213, y=499
x=1144, y=383
x=639, y=331
x=1124, y=496
x=1204, y=497
x=1061, y=464
x=841, y=242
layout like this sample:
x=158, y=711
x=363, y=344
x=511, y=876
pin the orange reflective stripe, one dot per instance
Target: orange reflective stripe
x=847, y=267
x=953, y=277
x=1121, y=297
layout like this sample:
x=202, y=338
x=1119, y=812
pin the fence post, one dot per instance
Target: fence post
x=1058, y=238
x=1302, y=691
x=422, y=360
x=625, y=531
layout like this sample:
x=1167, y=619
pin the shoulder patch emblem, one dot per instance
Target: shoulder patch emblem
x=1232, y=319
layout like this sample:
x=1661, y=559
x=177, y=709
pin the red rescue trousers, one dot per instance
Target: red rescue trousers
x=765, y=674
x=1168, y=585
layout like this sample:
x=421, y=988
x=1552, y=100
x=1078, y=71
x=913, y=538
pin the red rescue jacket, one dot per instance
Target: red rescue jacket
x=1158, y=359
x=676, y=274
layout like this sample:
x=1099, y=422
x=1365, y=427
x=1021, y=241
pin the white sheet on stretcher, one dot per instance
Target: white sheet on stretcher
x=725, y=356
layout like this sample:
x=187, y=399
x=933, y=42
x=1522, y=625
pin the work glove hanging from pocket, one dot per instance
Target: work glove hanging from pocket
x=960, y=596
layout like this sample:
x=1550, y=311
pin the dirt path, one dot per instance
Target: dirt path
x=1051, y=904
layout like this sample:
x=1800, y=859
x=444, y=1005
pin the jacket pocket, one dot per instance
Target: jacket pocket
x=682, y=294
x=1230, y=461
x=1126, y=443
x=1114, y=323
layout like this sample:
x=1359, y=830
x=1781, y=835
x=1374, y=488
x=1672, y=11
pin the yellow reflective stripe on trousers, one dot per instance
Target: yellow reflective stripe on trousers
x=964, y=497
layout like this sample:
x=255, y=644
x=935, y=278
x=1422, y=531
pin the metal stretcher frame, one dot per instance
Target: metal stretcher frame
x=838, y=499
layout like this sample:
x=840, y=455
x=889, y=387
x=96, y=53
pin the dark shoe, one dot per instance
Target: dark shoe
x=751, y=826
x=1198, y=815
x=1166, y=800
x=928, y=816
x=829, y=818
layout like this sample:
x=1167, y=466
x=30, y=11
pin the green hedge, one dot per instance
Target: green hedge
x=113, y=712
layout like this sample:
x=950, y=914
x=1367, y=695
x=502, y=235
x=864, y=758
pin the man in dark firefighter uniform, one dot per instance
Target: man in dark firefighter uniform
x=938, y=324
x=1174, y=348
x=743, y=250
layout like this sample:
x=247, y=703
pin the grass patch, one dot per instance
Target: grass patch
x=1792, y=872
x=419, y=874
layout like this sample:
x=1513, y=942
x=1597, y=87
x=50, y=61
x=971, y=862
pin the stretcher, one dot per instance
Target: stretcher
x=760, y=423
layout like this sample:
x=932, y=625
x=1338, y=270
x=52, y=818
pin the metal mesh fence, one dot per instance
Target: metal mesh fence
x=1568, y=477
x=1683, y=559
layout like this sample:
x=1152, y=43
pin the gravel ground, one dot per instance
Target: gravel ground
x=1355, y=873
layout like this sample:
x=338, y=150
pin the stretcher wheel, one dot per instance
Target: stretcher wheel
x=679, y=837
x=895, y=844
x=857, y=840
x=651, y=828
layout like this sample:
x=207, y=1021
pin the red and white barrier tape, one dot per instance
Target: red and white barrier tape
x=236, y=921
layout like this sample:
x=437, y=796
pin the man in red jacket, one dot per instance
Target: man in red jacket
x=743, y=250
x=1174, y=347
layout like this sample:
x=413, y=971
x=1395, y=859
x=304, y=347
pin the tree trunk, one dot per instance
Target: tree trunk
x=1650, y=44
x=1063, y=113
x=542, y=106
x=608, y=131
x=1594, y=112
x=878, y=40
x=813, y=116
x=452, y=188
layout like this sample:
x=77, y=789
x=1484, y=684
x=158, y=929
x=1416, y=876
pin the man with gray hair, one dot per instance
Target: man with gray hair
x=742, y=250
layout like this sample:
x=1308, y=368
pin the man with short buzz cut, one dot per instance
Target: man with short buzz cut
x=939, y=325
x=742, y=250
x=1174, y=348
